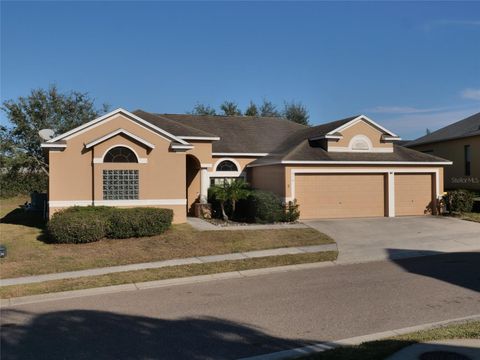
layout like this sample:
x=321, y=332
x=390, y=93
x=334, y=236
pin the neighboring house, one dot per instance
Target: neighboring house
x=346, y=168
x=460, y=143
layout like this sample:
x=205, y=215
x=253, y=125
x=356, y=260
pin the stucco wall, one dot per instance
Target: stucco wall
x=74, y=176
x=361, y=128
x=453, y=150
x=269, y=178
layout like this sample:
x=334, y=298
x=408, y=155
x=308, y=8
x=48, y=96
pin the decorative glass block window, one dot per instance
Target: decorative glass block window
x=120, y=184
x=120, y=154
x=227, y=165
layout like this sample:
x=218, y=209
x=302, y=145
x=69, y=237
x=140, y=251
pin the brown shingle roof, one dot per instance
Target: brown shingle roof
x=469, y=126
x=238, y=134
x=283, y=140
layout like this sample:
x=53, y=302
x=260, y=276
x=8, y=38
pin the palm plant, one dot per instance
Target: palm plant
x=230, y=191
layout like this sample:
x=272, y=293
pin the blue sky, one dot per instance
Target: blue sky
x=408, y=66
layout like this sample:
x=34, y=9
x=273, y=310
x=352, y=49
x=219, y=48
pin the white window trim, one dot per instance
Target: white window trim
x=390, y=172
x=107, y=117
x=147, y=202
x=100, y=160
x=216, y=173
x=116, y=132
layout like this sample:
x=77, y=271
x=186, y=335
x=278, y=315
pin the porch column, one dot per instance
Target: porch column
x=204, y=185
x=391, y=194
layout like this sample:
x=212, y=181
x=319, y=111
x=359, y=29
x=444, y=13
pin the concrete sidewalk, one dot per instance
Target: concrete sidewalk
x=202, y=225
x=468, y=348
x=166, y=263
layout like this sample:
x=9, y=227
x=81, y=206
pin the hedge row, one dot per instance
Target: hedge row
x=91, y=223
x=459, y=200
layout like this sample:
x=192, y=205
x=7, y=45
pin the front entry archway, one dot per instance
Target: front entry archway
x=192, y=183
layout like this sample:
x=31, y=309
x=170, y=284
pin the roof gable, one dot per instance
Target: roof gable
x=365, y=119
x=117, y=132
x=98, y=121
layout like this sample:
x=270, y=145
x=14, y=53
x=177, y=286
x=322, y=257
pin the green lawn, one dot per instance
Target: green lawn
x=29, y=254
x=379, y=350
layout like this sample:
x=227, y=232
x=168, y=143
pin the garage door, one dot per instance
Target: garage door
x=340, y=195
x=413, y=194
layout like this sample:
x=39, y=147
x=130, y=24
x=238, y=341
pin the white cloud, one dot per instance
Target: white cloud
x=471, y=94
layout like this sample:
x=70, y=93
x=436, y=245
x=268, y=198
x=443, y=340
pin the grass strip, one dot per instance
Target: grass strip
x=380, y=349
x=163, y=273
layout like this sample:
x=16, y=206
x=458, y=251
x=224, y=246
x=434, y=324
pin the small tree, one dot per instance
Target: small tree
x=232, y=192
x=269, y=109
x=202, y=109
x=252, y=110
x=230, y=108
x=296, y=112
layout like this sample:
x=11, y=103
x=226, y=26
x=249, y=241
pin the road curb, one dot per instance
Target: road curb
x=4, y=303
x=329, y=345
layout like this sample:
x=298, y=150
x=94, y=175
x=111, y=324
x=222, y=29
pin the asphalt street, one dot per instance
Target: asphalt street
x=228, y=319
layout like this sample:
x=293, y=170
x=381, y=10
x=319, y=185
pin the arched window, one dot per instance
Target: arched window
x=227, y=165
x=120, y=154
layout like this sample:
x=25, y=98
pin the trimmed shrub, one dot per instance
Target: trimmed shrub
x=138, y=222
x=76, y=227
x=459, y=201
x=292, y=213
x=91, y=223
x=264, y=207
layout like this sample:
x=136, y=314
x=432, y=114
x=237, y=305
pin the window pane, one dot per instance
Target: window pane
x=120, y=184
x=227, y=165
x=120, y=154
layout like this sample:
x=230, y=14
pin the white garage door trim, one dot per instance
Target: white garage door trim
x=389, y=171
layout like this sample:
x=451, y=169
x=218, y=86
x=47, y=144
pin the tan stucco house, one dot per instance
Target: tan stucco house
x=460, y=143
x=346, y=168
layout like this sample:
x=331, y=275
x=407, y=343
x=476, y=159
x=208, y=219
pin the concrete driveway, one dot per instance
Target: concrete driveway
x=361, y=240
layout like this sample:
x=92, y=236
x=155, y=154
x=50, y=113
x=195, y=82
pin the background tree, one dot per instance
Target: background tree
x=20, y=151
x=252, y=110
x=230, y=108
x=202, y=109
x=296, y=112
x=269, y=109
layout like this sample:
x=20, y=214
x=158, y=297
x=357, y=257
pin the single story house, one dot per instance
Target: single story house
x=460, y=143
x=346, y=168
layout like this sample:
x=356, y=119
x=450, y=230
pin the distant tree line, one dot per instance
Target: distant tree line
x=293, y=111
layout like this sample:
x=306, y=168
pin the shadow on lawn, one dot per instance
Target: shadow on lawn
x=20, y=216
x=33, y=219
x=82, y=334
x=461, y=269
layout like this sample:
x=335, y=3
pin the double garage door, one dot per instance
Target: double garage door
x=361, y=195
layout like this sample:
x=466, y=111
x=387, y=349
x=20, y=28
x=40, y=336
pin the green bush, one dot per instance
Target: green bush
x=264, y=207
x=91, y=223
x=459, y=201
x=138, y=222
x=76, y=227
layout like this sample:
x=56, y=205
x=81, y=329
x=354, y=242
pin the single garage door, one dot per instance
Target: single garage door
x=413, y=194
x=340, y=195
